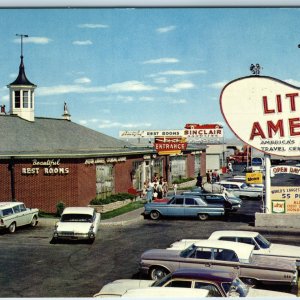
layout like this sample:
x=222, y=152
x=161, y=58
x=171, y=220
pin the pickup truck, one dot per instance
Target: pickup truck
x=242, y=190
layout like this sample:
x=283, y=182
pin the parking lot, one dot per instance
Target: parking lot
x=33, y=267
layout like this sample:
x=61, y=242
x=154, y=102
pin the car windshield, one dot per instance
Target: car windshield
x=161, y=282
x=188, y=251
x=76, y=218
x=262, y=242
x=237, y=289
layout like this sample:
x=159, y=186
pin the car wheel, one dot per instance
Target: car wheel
x=12, y=227
x=203, y=217
x=158, y=273
x=154, y=215
x=34, y=221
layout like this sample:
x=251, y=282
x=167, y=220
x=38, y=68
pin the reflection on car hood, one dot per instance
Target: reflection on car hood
x=119, y=287
x=161, y=254
x=275, y=263
x=73, y=226
x=266, y=293
x=285, y=250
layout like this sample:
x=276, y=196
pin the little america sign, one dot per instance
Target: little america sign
x=264, y=112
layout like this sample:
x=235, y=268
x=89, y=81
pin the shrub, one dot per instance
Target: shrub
x=112, y=198
x=182, y=180
x=60, y=206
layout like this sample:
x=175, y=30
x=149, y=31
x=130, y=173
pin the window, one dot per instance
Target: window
x=226, y=255
x=228, y=238
x=17, y=209
x=180, y=284
x=246, y=240
x=25, y=99
x=190, y=201
x=7, y=212
x=202, y=253
x=17, y=99
x=213, y=290
x=178, y=201
x=22, y=207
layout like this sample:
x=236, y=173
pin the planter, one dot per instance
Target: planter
x=103, y=208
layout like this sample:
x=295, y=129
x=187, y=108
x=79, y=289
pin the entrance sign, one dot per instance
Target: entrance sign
x=170, y=145
x=285, y=199
x=264, y=112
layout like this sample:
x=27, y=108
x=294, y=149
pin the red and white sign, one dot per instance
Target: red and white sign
x=264, y=112
x=170, y=145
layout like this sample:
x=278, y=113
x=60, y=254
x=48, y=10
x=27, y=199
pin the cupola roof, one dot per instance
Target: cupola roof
x=22, y=79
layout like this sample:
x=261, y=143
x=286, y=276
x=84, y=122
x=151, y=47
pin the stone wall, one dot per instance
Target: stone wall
x=111, y=206
x=277, y=220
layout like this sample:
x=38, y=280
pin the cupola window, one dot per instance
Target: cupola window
x=25, y=99
x=17, y=99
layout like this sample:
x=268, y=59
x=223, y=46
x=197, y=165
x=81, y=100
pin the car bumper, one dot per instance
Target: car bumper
x=73, y=236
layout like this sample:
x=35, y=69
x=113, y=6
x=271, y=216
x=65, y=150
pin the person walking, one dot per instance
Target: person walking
x=165, y=188
x=175, y=188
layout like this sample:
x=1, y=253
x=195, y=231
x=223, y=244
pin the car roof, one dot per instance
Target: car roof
x=78, y=210
x=204, y=274
x=231, y=182
x=242, y=250
x=166, y=292
x=240, y=233
x=9, y=204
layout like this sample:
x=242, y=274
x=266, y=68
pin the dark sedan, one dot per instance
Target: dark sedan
x=184, y=206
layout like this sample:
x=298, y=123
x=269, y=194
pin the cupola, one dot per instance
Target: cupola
x=22, y=93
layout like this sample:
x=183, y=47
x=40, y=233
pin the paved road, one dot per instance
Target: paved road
x=33, y=267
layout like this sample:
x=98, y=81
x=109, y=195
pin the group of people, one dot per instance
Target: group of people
x=156, y=188
x=212, y=176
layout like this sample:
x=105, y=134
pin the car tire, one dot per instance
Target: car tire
x=12, y=227
x=158, y=273
x=154, y=215
x=202, y=217
x=34, y=221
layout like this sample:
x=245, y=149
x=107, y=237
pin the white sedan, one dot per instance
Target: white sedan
x=261, y=245
x=77, y=223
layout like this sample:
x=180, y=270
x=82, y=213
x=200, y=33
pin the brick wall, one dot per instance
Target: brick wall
x=76, y=188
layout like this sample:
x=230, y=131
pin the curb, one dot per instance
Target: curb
x=122, y=223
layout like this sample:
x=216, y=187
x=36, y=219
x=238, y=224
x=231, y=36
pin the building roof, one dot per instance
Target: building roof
x=57, y=137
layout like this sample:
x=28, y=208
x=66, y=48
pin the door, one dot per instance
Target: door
x=176, y=207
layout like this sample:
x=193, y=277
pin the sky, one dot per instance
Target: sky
x=144, y=68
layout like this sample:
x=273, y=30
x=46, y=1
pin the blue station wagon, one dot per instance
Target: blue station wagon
x=183, y=206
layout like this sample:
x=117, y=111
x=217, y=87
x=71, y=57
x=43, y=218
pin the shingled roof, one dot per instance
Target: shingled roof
x=50, y=137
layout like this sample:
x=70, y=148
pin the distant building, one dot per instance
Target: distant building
x=44, y=161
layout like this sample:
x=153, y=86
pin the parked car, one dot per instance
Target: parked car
x=15, y=214
x=170, y=293
x=218, y=283
x=183, y=206
x=230, y=204
x=243, y=180
x=220, y=255
x=77, y=223
x=242, y=190
x=261, y=245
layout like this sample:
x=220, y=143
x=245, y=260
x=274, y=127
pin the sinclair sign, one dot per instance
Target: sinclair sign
x=264, y=112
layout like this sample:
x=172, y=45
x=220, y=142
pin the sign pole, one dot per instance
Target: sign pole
x=268, y=184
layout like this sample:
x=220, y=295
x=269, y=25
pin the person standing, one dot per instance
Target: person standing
x=165, y=188
x=199, y=180
x=175, y=188
x=149, y=193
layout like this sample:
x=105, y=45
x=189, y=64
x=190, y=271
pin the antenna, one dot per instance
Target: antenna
x=22, y=36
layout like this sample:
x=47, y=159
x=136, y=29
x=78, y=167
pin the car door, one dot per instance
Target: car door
x=19, y=216
x=26, y=214
x=191, y=207
x=226, y=260
x=176, y=207
x=200, y=258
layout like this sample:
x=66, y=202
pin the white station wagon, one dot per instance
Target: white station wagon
x=15, y=214
x=77, y=223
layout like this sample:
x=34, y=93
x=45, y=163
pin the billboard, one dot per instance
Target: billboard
x=264, y=112
x=285, y=199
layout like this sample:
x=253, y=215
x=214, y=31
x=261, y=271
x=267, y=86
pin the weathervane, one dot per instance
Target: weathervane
x=22, y=36
x=255, y=69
